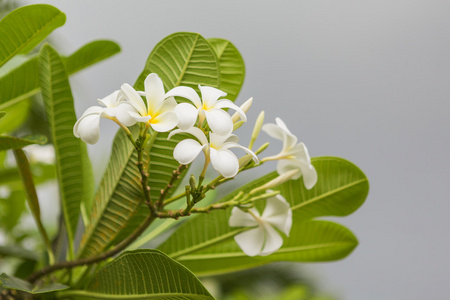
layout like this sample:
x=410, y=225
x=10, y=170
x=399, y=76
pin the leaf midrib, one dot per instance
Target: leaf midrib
x=280, y=251
x=324, y=195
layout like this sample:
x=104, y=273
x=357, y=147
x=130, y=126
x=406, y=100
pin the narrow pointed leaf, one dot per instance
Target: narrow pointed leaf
x=340, y=190
x=180, y=59
x=10, y=142
x=26, y=27
x=9, y=282
x=142, y=274
x=23, y=81
x=232, y=67
x=18, y=252
x=68, y=149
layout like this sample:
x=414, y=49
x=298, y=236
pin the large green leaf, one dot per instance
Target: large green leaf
x=23, y=81
x=10, y=282
x=309, y=241
x=68, y=149
x=142, y=274
x=179, y=59
x=10, y=142
x=26, y=27
x=232, y=67
x=340, y=190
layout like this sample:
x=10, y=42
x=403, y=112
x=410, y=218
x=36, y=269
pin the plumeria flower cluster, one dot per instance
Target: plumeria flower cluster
x=210, y=129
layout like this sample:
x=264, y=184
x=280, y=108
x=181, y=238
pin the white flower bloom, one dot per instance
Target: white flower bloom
x=217, y=150
x=159, y=109
x=293, y=156
x=88, y=126
x=264, y=239
x=208, y=107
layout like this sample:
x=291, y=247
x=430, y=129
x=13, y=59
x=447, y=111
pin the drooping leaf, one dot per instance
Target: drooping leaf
x=31, y=196
x=142, y=274
x=15, y=116
x=10, y=142
x=13, y=283
x=68, y=149
x=23, y=81
x=232, y=67
x=10, y=177
x=26, y=27
x=179, y=59
x=340, y=190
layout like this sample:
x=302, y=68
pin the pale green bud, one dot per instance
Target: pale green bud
x=258, y=124
x=245, y=107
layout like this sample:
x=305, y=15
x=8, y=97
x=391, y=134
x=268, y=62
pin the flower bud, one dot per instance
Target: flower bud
x=245, y=107
x=193, y=183
x=237, y=125
x=258, y=124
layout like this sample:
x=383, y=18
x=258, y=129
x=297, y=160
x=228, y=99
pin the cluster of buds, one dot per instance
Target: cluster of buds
x=211, y=130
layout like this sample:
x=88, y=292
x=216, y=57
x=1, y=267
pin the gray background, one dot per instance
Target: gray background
x=363, y=80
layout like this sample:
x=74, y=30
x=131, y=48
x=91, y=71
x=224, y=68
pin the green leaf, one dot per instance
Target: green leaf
x=2, y=114
x=11, y=209
x=142, y=274
x=23, y=81
x=15, y=116
x=340, y=190
x=69, y=151
x=32, y=198
x=10, y=142
x=232, y=67
x=179, y=59
x=309, y=241
x=26, y=27
x=13, y=283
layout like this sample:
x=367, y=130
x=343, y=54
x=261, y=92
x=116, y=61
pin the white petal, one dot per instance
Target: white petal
x=166, y=106
x=225, y=162
x=282, y=125
x=196, y=132
x=134, y=98
x=273, y=240
x=235, y=145
x=240, y=218
x=219, y=121
x=143, y=119
x=122, y=113
x=185, y=92
x=217, y=140
x=309, y=175
x=278, y=213
x=154, y=91
x=111, y=100
x=164, y=122
x=274, y=131
x=87, y=128
x=300, y=152
x=224, y=103
x=186, y=114
x=286, y=165
x=210, y=95
x=186, y=151
x=251, y=241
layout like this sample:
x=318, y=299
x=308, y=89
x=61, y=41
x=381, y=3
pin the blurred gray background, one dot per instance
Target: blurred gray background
x=364, y=80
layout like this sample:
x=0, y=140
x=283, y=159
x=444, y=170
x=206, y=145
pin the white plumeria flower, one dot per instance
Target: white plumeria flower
x=293, y=156
x=208, y=107
x=88, y=126
x=159, y=109
x=264, y=239
x=217, y=150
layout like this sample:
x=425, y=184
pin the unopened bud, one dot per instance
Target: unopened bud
x=262, y=148
x=244, y=160
x=277, y=181
x=258, y=124
x=237, y=125
x=193, y=183
x=245, y=107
